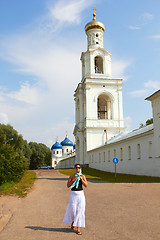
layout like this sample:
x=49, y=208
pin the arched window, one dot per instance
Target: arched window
x=104, y=107
x=98, y=64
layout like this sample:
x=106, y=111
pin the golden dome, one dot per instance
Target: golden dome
x=94, y=23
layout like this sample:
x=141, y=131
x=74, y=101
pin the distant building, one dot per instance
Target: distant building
x=61, y=150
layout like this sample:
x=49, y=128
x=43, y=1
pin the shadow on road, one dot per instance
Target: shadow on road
x=66, y=230
x=59, y=179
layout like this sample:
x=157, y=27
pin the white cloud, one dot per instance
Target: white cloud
x=139, y=93
x=39, y=104
x=26, y=94
x=155, y=85
x=128, y=123
x=59, y=130
x=3, y=88
x=37, y=109
x=149, y=87
x=119, y=67
x=69, y=12
x=147, y=16
x=134, y=27
x=155, y=36
x=144, y=19
x=4, y=118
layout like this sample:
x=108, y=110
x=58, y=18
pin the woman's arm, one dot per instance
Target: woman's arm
x=71, y=180
x=84, y=181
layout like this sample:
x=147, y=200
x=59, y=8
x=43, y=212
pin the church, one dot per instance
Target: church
x=99, y=129
x=98, y=97
x=61, y=151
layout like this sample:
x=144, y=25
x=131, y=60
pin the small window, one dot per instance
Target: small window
x=98, y=64
x=138, y=151
x=104, y=156
x=97, y=35
x=67, y=149
x=109, y=157
x=55, y=162
x=150, y=150
x=96, y=42
x=121, y=154
x=129, y=152
x=57, y=152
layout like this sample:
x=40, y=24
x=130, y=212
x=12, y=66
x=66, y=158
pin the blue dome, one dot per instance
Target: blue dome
x=67, y=142
x=57, y=145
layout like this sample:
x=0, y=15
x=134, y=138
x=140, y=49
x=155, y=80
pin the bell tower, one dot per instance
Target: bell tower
x=98, y=97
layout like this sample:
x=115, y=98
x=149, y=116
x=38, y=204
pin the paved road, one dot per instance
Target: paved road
x=113, y=211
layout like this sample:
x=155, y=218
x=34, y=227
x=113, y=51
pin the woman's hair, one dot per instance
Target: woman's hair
x=77, y=164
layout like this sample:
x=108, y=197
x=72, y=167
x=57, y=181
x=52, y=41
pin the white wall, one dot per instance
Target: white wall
x=68, y=162
x=136, y=156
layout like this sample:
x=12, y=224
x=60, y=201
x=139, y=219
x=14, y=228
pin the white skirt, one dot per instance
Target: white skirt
x=76, y=209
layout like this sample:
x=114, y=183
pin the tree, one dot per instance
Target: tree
x=148, y=122
x=41, y=155
x=12, y=165
x=16, y=155
x=8, y=135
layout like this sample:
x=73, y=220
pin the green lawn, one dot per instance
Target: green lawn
x=21, y=188
x=93, y=174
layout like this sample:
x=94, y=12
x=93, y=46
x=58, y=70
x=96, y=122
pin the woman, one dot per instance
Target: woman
x=75, y=214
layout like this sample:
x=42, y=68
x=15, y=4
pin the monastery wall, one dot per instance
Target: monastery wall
x=136, y=156
x=68, y=162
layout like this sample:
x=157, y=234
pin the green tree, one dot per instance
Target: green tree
x=12, y=165
x=8, y=135
x=41, y=155
x=148, y=122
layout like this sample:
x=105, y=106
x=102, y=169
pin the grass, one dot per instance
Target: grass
x=93, y=174
x=21, y=188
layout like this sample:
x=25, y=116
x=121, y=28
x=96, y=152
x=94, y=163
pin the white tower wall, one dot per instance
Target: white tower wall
x=99, y=111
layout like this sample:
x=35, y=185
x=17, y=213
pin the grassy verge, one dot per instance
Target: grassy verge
x=21, y=188
x=93, y=174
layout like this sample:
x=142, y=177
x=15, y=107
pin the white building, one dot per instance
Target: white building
x=99, y=128
x=138, y=151
x=98, y=97
x=61, y=150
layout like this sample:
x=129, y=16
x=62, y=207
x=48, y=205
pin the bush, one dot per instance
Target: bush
x=12, y=166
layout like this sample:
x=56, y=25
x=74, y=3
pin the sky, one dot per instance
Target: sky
x=40, y=47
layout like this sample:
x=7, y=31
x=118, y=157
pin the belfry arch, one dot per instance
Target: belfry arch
x=104, y=110
x=98, y=64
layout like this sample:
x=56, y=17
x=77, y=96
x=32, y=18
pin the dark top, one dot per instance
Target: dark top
x=80, y=188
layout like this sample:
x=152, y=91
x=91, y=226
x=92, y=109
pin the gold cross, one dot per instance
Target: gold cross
x=94, y=14
x=94, y=9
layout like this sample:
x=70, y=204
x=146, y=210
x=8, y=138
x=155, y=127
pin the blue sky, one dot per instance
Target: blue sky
x=40, y=46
